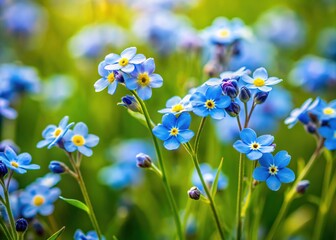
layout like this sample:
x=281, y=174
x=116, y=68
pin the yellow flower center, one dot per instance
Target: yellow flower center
x=259, y=82
x=328, y=111
x=177, y=108
x=224, y=33
x=254, y=146
x=111, y=77
x=14, y=164
x=78, y=140
x=38, y=200
x=123, y=62
x=210, y=104
x=174, y=131
x=57, y=132
x=273, y=170
x=143, y=79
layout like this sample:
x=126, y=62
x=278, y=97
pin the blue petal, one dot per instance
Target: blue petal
x=330, y=144
x=171, y=143
x=260, y=73
x=112, y=88
x=265, y=88
x=53, y=194
x=161, y=132
x=149, y=65
x=24, y=159
x=260, y=173
x=131, y=83
x=137, y=59
x=223, y=102
x=265, y=140
x=101, y=84
x=282, y=159
x=69, y=146
x=112, y=58
x=266, y=160
x=29, y=211
x=254, y=155
x=201, y=111
x=197, y=98
x=273, y=81
x=273, y=183
x=173, y=101
x=31, y=166
x=247, y=135
x=10, y=153
x=183, y=121
x=286, y=175
x=266, y=149
x=213, y=92
x=156, y=81
x=113, y=67
x=43, y=143
x=241, y=147
x=85, y=151
x=169, y=120
x=46, y=210
x=144, y=93
x=247, y=79
x=64, y=122
x=81, y=129
x=128, y=52
x=185, y=135
x=68, y=135
x=326, y=132
x=91, y=140
x=128, y=68
x=101, y=69
x=217, y=113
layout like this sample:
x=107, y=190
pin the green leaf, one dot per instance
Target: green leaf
x=76, y=203
x=138, y=116
x=57, y=234
x=215, y=183
x=328, y=155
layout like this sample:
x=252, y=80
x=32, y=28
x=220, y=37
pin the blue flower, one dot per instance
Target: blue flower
x=174, y=130
x=125, y=62
x=38, y=199
x=18, y=163
x=329, y=133
x=109, y=79
x=142, y=79
x=53, y=134
x=260, y=80
x=91, y=235
x=325, y=111
x=49, y=180
x=176, y=105
x=211, y=103
x=6, y=111
x=79, y=139
x=209, y=175
x=254, y=147
x=273, y=170
x=301, y=114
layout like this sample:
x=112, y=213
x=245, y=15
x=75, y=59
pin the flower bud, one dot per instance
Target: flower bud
x=57, y=167
x=233, y=109
x=119, y=76
x=260, y=97
x=310, y=128
x=130, y=103
x=302, y=186
x=3, y=169
x=230, y=88
x=194, y=193
x=245, y=94
x=21, y=225
x=143, y=160
x=38, y=228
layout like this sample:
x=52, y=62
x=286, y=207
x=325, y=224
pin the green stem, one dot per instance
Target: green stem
x=165, y=181
x=4, y=229
x=291, y=194
x=239, y=196
x=249, y=115
x=8, y=207
x=198, y=134
x=207, y=192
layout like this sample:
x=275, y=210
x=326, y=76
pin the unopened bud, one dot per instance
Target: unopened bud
x=194, y=193
x=245, y=94
x=130, y=103
x=230, y=88
x=21, y=225
x=233, y=109
x=57, y=167
x=3, y=169
x=260, y=97
x=143, y=160
x=302, y=186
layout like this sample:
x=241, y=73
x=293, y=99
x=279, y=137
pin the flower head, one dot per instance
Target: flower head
x=273, y=170
x=79, y=139
x=91, y=235
x=325, y=111
x=109, y=79
x=260, y=80
x=53, y=134
x=18, y=163
x=254, y=147
x=49, y=180
x=329, y=133
x=125, y=62
x=177, y=105
x=143, y=79
x=174, y=130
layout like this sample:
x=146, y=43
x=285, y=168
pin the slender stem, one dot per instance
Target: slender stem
x=245, y=111
x=291, y=194
x=239, y=123
x=198, y=134
x=53, y=223
x=8, y=207
x=4, y=229
x=165, y=181
x=249, y=115
x=239, y=196
x=194, y=157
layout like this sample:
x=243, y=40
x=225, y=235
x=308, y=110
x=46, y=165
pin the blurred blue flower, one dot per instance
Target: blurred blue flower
x=260, y=80
x=108, y=80
x=174, y=130
x=327, y=42
x=49, y=180
x=6, y=111
x=301, y=114
x=125, y=62
x=209, y=176
x=325, y=111
x=273, y=170
x=91, y=235
x=177, y=105
x=18, y=163
x=143, y=79
x=329, y=133
x=12, y=187
x=79, y=139
x=227, y=76
x=254, y=147
x=54, y=134
x=14, y=199
x=9, y=143
x=38, y=199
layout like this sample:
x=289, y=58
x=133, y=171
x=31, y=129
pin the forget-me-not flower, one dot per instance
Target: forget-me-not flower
x=177, y=105
x=251, y=145
x=273, y=170
x=174, y=130
x=329, y=133
x=260, y=80
x=91, y=235
x=325, y=111
x=49, y=180
x=109, y=79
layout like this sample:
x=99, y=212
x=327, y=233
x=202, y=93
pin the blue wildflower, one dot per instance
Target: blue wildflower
x=38, y=199
x=5, y=110
x=301, y=114
x=251, y=145
x=174, y=130
x=142, y=79
x=79, y=139
x=273, y=170
x=9, y=143
x=54, y=134
x=91, y=235
x=260, y=80
x=18, y=163
x=209, y=175
x=211, y=103
x=177, y=105
x=125, y=62
x=329, y=133
x=49, y=180
x=325, y=111
x=109, y=79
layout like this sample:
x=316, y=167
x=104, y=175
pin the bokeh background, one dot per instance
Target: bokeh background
x=62, y=43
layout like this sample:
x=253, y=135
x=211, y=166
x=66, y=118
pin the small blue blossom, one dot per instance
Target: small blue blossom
x=177, y=105
x=79, y=139
x=209, y=175
x=329, y=133
x=18, y=163
x=143, y=79
x=301, y=114
x=109, y=79
x=254, y=147
x=49, y=180
x=174, y=130
x=273, y=170
x=125, y=62
x=91, y=235
x=38, y=199
x=6, y=111
x=226, y=76
x=260, y=80
x=211, y=103
x=325, y=111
